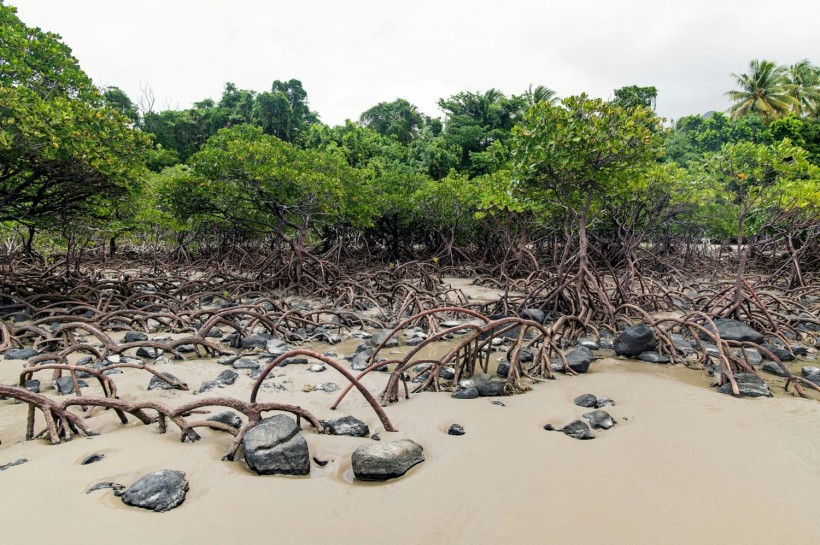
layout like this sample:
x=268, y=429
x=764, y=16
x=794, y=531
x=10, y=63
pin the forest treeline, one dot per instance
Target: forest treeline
x=87, y=169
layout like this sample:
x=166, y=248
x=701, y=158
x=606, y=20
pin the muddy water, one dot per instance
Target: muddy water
x=684, y=465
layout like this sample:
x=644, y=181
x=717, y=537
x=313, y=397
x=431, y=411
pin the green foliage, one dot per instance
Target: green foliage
x=753, y=181
x=243, y=176
x=764, y=91
x=474, y=121
x=63, y=151
x=398, y=119
x=583, y=147
x=634, y=96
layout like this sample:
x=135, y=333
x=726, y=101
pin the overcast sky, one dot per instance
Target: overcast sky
x=353, y=54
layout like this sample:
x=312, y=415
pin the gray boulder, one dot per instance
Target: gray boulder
x=347, y=425
x=229, y=418
x=653, y=357
x=380, y=336
x=773, y=368
x=226, y=378
x=134, y=336
x=468, y=392
x=734, y=330
x=19, y=353
x=600, y=420
x=379, y=461
x=246, y=363
x=634, y=340
x=487, y=385
x=586, y=400
x=578, y=429
x=455, y=429
x=275, y=447
x=748, y=385
x=158, y=491
x=781, y=353
x=534, y=314
x=256, y=341
x=157, y=382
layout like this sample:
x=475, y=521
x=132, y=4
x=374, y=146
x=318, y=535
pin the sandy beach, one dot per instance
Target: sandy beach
x=683, y=465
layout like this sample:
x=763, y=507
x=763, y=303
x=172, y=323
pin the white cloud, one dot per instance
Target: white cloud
x=351, y=55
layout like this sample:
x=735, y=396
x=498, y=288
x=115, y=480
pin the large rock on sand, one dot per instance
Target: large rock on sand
x=487, y=385
x=274, y=447
x=748, y=385
x=386, y=460
x=635, y=340
x=158, y=491
x=733, y=330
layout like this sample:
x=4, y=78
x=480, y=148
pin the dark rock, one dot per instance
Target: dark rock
x=748, y=385
x=487, y=385
x=275, y=447
x=634, y=340
x=503, y=369
x=229, y=418
x=580, y=358
x=361, y=361
x=469, y=392
x=19, y=353
x=134, y=336
x=293, y=361
x=33, y=385
x=447, y=373
x=148, y=352
x=208, y=385
x=386, y=460
x=380, y=336
x=586, y=400
x=753, y=355
x=347, y=425
x=578, y=429
x=600, y=420
x=117, y=487
x=534, y=314
x=773, y=368
x=733, y=330
x=681, y=344
x=455, y=429
x=653, y=357
x=92, y=458
x=227, y=360
x=809, y=370
x=320, y=463
x=256, y=341
x=524, y=355
x=589, y=343
x=215, y=333
x=496, y=402
x=549, y=427
x=781, y=353
x=604, y=401
x=226, y=378
x=65, y=386
x=157, y=382
x=245, y=363
x=158, y=491
x=799, y=350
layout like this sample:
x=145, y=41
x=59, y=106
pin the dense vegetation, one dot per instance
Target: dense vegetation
x=516, y=183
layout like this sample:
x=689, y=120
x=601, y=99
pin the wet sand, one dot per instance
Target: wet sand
x=683, y=465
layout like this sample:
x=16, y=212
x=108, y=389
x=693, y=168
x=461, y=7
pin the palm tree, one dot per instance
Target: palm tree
x=541, y=93
x=804, y=87
x=764, y=90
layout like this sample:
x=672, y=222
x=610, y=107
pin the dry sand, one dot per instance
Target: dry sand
x=684, y=465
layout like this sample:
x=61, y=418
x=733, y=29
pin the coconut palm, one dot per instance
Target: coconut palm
x=764, y=90
x=541, y=93
x=804, y=87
